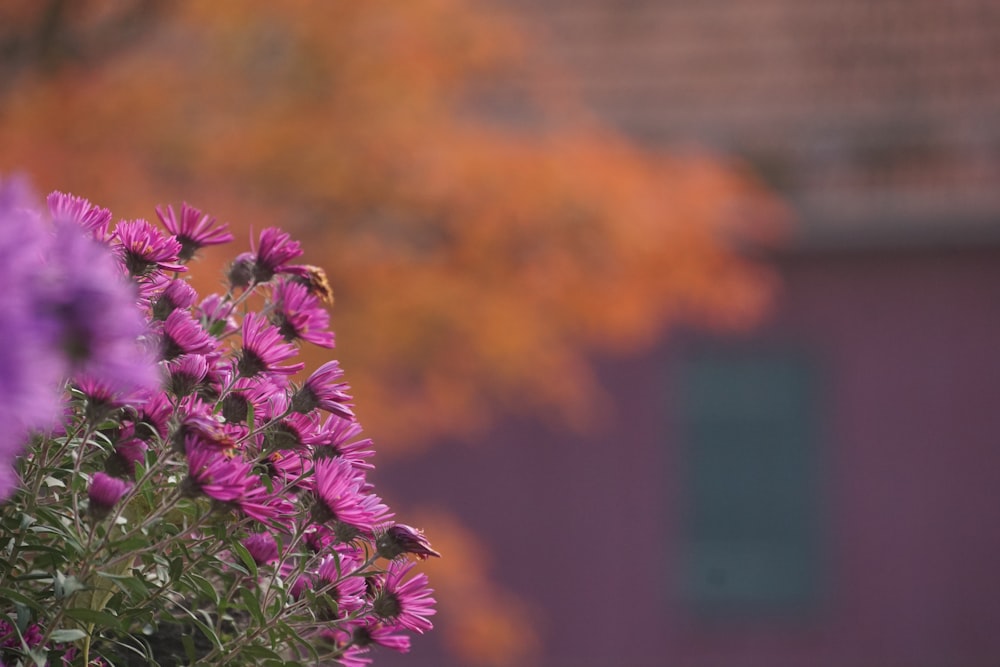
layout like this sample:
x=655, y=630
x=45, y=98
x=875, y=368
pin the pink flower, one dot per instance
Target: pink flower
x=298, y=314
x=194, y=230
x=406, y=604
x=151, y=415
x=322, y=390
x=105, y=492
x=347, y=588
x=338, y=490
x=143, y=248
x=264, y=348
x=212, y=473
x=291, y=432
x=183, y=335
x=249, y=393
x=336, y=438
x=217, y=315
x=366, y=632
x=77, y=210
x=270, y=507
x=262, y=547
x=127, y=453
x=187, y=373
x=400, y=539
x=171, y=294
x=346, y=500
x=273, y=252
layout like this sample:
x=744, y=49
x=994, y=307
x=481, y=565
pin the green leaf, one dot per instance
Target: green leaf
x=202, y=585
x=101, y=619
x=244, y=554
x=206, y=629
x=259, y=652
x=135, y=587
x=67, y=635
x=176, y=568
x=189, y=651
x=252, y=601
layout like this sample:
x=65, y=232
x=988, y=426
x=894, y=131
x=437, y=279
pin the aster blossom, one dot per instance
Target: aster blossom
x=299, y=315
x=324, y=391
x=192, y=229
x=264, y=349
x=399, y=539
x=406, y=603
x=91, y=218
x=170, y=461
x=274, y=250
x=341, y=497
x=144, y=249
x=105, y=492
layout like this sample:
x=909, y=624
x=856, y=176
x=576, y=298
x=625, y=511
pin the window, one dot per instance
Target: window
x=751, y=516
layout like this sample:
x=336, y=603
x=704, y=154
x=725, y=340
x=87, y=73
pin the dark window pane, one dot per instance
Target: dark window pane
x=750, y=526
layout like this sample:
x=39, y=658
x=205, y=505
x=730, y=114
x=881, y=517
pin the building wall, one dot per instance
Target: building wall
x=590, y=529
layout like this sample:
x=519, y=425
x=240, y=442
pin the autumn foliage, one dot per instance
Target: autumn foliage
x=483, y=237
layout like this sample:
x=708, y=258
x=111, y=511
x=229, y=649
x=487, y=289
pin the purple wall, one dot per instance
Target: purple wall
x=585, y=527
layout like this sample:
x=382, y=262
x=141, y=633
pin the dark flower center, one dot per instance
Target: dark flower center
x=250, y=364
x=188, y=247
x=387, y=605
x=235, y=408
x=361, y=636
x=282, y=436
x=137, y=265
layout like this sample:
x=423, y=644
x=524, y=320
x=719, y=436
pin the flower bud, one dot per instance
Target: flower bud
x=401, y=539
x=105, y=491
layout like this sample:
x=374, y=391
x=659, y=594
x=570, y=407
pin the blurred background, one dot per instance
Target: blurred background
x=675, y=323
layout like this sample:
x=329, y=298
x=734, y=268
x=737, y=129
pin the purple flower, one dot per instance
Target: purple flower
x=127, y=453
x=406, y=604
x=172, y=293
x=322, y=390
x=346, y=588
x=183, y=335
x=269, y=507
x=274, y=249
x=264, y=349
x=212, y=473
x=340, y=494
x=217, y=315
x=366, y=632
x=241, y=271
x=400, y=539
x=299, y=315
x=45, y=282
x=353, y=656
x=144, y=249
x=187, y=372
x=79, y=211
x=262, y=547
x=249, y=393
x=194, y=230
x=336, y=438
x=291, y=432
x=151, y=414
x=197, y=419
x=93, y=313
x=105, y=492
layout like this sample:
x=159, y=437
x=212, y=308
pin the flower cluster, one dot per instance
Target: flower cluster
x=177, y=469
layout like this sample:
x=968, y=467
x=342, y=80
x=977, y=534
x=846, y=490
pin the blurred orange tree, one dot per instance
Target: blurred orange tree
x=481, y=255
x=484, y=237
